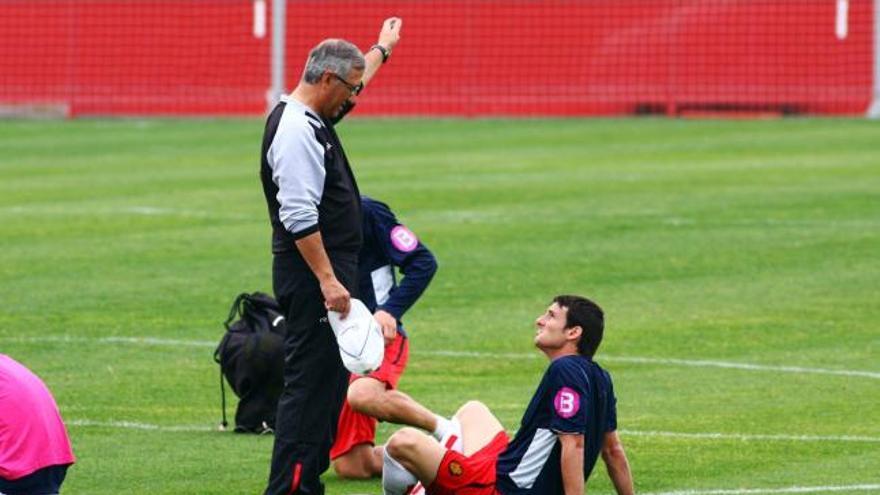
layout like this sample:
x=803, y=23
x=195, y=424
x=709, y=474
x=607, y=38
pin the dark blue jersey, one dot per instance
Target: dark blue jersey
x=575, y=396
x=388, y=244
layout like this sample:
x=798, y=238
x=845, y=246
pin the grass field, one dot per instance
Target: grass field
x=738, y=263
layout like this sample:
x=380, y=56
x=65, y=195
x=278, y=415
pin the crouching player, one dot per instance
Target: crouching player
x=387, y=245
x=571, y=419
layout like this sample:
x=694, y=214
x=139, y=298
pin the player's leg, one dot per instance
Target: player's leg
x=392, y=406
x=416, y=452
x=409, y=455
x=377, y=395
x=361, y=462
x=478, y=426
x=352, y=451
x=475, y=426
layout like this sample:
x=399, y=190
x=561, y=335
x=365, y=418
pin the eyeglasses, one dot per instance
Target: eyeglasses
x=354, y=88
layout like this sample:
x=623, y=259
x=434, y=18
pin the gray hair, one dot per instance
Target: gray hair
x=332, y=55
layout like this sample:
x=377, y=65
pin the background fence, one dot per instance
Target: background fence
x=472, y=58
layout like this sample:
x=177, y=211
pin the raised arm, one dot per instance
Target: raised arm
x=388, y=38
x=374, y=58
x=616, y=463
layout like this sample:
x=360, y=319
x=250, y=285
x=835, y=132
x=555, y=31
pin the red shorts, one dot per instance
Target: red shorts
x=459, y=474
x=355, y=428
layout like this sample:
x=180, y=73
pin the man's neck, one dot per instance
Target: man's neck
x=307, y=96
x=554, y=354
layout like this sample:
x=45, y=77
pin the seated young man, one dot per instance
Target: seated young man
x=571, y=419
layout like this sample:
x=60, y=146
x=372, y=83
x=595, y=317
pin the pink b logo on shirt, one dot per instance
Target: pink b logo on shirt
x=403, y=239
x=567, y=402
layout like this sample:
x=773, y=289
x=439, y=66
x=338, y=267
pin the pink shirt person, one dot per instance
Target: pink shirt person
x=32, y=434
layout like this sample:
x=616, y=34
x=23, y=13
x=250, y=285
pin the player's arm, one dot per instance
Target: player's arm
x=374, y=58
x=572, y=460
x=403, y=250
x=418, y=268
x=568, y=404
x=388, y=38
x=336, y=297
x=617, y=464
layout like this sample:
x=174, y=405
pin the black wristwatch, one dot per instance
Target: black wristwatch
x=385, y=52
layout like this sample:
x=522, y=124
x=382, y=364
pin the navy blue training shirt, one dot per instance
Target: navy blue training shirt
x=388, y=244
x=575, y=396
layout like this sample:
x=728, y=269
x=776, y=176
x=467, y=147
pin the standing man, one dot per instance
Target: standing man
x=570, y=421
x=315, y=211
x=387, y=245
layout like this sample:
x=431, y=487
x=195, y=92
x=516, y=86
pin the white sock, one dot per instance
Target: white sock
x=452, y=440
x=396, y=480
x=443, y=426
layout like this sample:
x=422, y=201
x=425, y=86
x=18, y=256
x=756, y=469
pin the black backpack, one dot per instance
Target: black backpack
x=251, y=357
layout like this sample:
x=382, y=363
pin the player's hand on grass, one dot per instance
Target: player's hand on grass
x=390, y=34
x=388, y=324
x=336, y=297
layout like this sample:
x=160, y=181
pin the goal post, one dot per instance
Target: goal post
x=279, y=36
x=874, y=109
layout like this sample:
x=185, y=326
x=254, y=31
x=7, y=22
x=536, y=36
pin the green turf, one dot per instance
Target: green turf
x=737, y=241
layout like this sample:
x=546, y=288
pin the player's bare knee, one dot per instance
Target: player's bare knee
x=363, y=396
x=403, y=443
x=472, y=408
x=358, y=399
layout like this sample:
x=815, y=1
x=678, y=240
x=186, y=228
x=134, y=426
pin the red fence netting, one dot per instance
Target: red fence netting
x=465, y=57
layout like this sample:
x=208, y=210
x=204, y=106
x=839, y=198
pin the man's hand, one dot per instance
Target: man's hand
x=390, y=34
x=336, y=297
x=388, y=324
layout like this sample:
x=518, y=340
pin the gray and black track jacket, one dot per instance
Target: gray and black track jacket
x=308, y=183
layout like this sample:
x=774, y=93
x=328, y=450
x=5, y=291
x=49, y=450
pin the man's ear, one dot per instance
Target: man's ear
x=575, y=332
x=326, y=78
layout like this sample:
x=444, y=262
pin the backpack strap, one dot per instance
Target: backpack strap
x=236, y=309
x=223, y=422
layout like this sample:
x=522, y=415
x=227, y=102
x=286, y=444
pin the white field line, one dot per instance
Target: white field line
x=65, y=339
x=750, y=438
x=768, y=491
x=148, y=210
x=77, y=210
x=669, y=361
x=699, y=363
x=137, y=425
x=745, y=366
